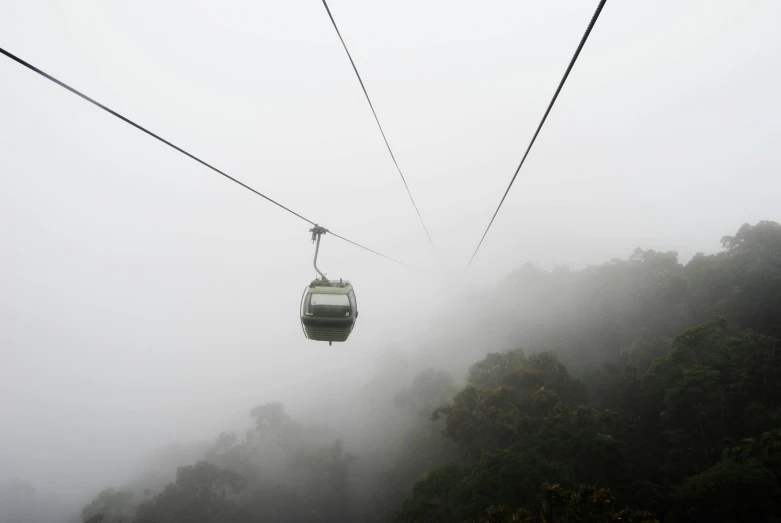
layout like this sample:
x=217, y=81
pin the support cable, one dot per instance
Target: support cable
x=163, y=140
x=393, y=157
x=547, y=111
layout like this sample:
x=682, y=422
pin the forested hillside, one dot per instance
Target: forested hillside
x=639, y=390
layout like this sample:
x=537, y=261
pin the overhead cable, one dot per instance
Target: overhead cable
x=163, y=140
x=547, y=111
x=393, y=157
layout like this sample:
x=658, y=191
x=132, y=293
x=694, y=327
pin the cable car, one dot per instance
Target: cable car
x=328, y=310
x=328, y=307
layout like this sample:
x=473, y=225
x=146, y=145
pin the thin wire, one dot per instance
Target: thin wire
x=150, y=133
x=375, y=252
x=143, y=129
x=539, y=127
x=393, y=157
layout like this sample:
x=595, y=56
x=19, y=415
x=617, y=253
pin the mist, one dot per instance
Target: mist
x=148, y=305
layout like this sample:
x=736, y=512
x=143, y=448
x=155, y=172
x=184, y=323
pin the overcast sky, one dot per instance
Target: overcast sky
x=143, y=298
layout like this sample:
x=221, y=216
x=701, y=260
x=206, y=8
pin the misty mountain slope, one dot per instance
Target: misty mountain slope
x=641, y=383
x=589, y=316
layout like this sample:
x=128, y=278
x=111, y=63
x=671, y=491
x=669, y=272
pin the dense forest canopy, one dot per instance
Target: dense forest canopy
x=639, y=390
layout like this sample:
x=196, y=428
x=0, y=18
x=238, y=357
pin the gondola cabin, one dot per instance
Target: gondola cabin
x=328, y=310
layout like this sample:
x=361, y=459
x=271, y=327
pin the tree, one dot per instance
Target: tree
x=202, y=493
x=111, y=506
x=761, y=243
x=729, y=491
x=521, y=390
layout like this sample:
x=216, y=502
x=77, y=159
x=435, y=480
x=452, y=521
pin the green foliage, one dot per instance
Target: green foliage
x=525, y=390
x=673, y=424
x=586, y=504
x=489, y=373
x=519, y=434
x=675, y=411
x=202, y=493
x=730, y=492
x=556, y=504
x=759, y=244
x=110, y=506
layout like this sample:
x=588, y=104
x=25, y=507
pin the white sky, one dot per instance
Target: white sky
x=144, y=298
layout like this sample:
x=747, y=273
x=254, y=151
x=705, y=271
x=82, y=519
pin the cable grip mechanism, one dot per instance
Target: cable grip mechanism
x=318, y=231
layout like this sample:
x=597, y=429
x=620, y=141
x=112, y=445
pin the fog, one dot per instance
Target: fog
x=146, y=300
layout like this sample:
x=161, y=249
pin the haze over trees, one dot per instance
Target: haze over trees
x=639, y=390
